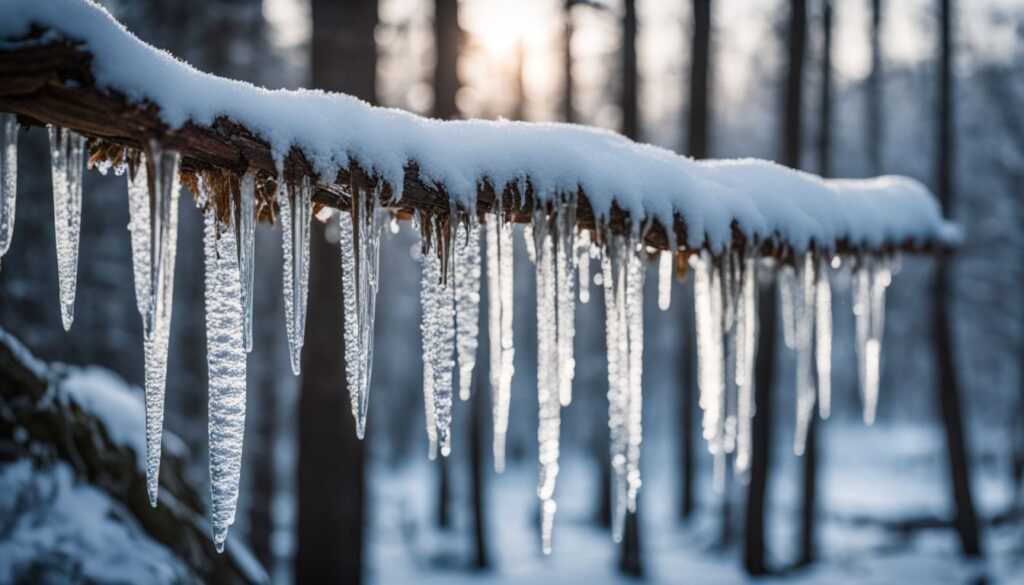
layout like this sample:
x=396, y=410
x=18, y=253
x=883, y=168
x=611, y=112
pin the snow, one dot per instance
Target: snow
x=764, y=199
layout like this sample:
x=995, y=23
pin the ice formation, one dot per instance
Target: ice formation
x=246, y=222
x=295, y=201
x=801, y=284
x=823, y=337
x=467, y=303
x=360, y=268
x=871, y=277
x=226, y=356
x=153, y=193
x=67, y=161
x=499, y=319
x=8, y=178
x=666, y=268
x=623, y=279
x=438, y=336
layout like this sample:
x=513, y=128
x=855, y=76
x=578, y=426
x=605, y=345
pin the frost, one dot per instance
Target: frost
x=467, y=303
x=67, y=151
x=623, y=278
x=360, y=267
x=438, y=335
x=226, y=356
x=295, y=202
x=153, y=223
x=499, y=318
x=8, y=178
x=246, y=249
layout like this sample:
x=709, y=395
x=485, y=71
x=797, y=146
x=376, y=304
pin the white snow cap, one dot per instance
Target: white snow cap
x=765, y=199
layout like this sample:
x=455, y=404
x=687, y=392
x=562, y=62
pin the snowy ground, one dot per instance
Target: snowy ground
x=878, y=473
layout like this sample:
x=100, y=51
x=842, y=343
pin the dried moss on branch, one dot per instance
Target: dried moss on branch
x=51, y=83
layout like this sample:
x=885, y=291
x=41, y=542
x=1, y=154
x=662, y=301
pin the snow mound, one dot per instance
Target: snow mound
x=764, y=199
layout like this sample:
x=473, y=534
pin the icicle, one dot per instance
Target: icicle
x=528, y=239
x=67, y=152
x=823, y=338
x=548, y=378
x=747, y=345
x=360, y=267
x=153, y=212
x=871, y=278
x=804, y=316
x=467, y=304
x=622, y=278
x=499, y=300
x=788, y=284
x=710, y=359
x=583, y=265
x=438, y=334
x=666, y=268
x=295, y=202
x=225, y=352
x=246, y=249
x=565, y=280
x=428, y=278
x=8, y=178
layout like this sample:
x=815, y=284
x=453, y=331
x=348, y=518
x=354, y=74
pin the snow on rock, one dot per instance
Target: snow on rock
x=764, y=199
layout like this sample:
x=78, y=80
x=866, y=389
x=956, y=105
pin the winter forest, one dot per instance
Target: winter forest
x=532, y=291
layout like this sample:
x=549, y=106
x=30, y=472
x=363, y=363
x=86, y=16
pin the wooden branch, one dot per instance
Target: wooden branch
x=52, y=83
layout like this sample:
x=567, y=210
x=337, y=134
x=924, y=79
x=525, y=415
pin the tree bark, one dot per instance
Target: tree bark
x=699, y=73
x=874, y=92
x=331, y=464
x=947, y=387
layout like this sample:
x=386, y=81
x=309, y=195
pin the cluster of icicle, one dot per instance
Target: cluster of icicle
x=725, y=305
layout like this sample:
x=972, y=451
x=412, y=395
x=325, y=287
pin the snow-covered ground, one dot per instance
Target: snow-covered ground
x=880, y=473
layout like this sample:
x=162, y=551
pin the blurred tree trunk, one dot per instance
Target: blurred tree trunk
x=947, y=384
x=448, y=43
x=810, y=458
x=764, y=375
x=331, y=466
x=630, y=561
x=874, y=92
x=568, y=113
x=697, y=147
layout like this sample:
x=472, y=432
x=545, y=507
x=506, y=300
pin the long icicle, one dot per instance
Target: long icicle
x=295, y=202
x=565, y=297
x=226, y=357
x=500, y=299
x=438, y=331
x=823, y=337
x=246, y=249
x=666, y=270
x=634, y=413
x=804, y=317
x=8, y=178
x=360, y=267
x=154, y=249
x=548, y=372
x=428, y=279
x=747, y=338
x=467, y=304
x=67, y=151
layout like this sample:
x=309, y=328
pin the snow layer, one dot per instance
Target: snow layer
x=765, y=199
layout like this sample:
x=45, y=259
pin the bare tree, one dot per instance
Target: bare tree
x=947, y=388
x=331, y=465
x=874, y=92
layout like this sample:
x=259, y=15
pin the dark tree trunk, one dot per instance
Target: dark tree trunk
x=792, y=129
x=947, y=383
x=331, y=465
x=519, y=83
x=479, y=419
x=810, y=458
x=874, y=92
x=699, y=73
x=448, y=40
x=697, y=146
x=628, y=99
x=764, y=375
x=687, y=412
x=568, y=113
x=630, y=561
